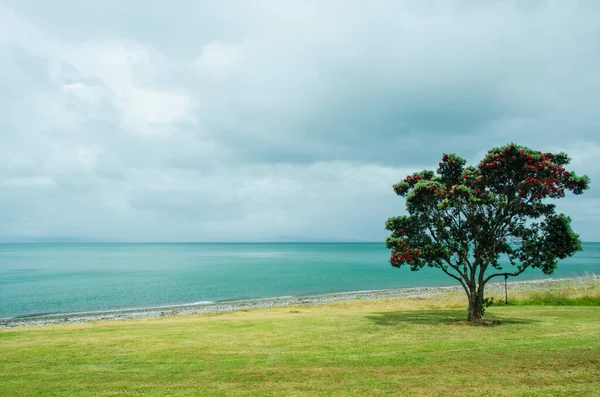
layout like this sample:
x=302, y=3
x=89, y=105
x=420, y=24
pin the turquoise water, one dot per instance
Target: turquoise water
x=66, y=278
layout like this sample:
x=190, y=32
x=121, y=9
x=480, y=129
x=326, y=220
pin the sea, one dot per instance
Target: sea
x=39, y=279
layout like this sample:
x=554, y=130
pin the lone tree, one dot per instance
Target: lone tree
x=470, y=222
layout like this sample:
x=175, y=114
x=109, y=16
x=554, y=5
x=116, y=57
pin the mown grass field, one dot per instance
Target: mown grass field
x=410, y=347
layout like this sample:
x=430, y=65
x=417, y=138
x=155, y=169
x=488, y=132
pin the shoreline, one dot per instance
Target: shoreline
x=262, y=303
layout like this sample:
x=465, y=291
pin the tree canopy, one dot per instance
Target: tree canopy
x=475, y=223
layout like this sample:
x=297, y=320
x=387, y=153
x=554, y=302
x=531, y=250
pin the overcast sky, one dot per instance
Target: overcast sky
x=276, y=120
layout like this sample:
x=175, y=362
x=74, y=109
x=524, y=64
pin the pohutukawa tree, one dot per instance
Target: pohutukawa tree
x=473, y=222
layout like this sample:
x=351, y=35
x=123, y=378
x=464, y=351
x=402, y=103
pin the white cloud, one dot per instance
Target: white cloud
x=147, y=106
x=122, y=69
x=220, y=61
x=34, y=182
x=84, y=92
x=122, y=72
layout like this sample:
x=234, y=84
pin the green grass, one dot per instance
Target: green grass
x=584, y=291
x=548, y=298
x=410, y=347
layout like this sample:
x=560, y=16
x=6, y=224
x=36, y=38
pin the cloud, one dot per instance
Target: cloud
x=120, y=70
x=84, y=92
x=29, y=182
x=194, y=121
x=219, y=61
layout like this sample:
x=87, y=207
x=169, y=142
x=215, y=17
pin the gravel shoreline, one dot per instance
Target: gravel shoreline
x=230, y=306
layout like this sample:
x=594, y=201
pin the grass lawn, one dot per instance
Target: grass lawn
x=410, y=347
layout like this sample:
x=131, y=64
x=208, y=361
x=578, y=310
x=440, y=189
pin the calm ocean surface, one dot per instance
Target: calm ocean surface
x=66, y=278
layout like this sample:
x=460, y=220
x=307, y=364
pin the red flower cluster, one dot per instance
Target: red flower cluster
x=401, y=188
x=542, y=177
x=542, y=187
x=510, y=170
x=446, y=160
x=404, y=254
x=432, y=189
x=413, y=179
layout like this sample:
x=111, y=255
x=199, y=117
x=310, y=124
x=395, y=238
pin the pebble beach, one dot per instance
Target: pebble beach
x=230, y=306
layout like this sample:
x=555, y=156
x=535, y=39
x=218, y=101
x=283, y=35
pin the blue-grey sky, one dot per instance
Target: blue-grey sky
x=276, y=120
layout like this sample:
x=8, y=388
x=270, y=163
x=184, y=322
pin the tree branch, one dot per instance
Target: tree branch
x=459, y=280
x=507, y=274
x=455, y=267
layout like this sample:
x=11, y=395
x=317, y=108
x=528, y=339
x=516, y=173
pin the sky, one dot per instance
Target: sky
x=276, y=120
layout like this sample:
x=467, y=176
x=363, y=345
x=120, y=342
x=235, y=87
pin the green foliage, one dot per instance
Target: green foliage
x=463, y=219
x=553, y=299
x=487, y=302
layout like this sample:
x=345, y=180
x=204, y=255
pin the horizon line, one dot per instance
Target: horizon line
x=188, y=242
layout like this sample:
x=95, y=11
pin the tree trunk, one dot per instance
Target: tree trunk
x=476, y=306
